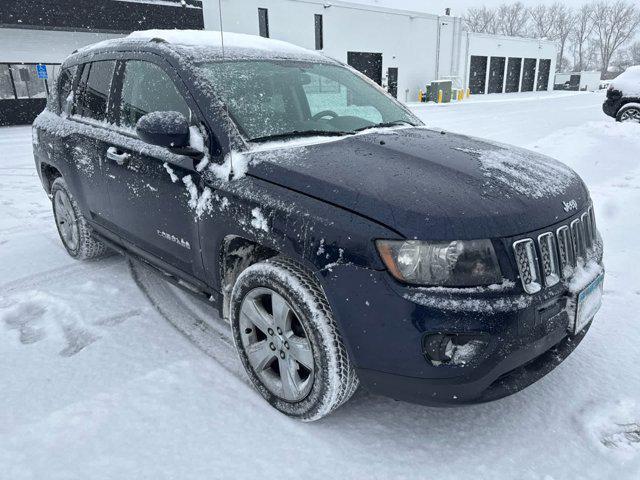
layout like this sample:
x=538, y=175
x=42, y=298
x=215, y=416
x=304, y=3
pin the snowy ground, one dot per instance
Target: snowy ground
x=107, y=372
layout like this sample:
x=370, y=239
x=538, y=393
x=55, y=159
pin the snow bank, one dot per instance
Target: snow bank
x=628, y=82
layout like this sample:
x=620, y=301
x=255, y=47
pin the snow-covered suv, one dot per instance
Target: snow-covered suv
x=346, y=243
x=623, y=96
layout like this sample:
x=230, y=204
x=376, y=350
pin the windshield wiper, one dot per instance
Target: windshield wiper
x=395, y=123
x=301, y=133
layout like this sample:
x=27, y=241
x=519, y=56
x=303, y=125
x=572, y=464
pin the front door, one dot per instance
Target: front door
x=153, y=192
x=392, y=74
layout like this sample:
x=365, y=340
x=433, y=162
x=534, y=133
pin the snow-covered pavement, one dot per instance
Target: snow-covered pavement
x=107, y=372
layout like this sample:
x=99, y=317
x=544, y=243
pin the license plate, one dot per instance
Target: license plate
x=589, y=302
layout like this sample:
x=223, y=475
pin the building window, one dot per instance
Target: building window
x=27, y=83
x=318, y=29
x=263, y=22
x=20, y=80
x=6, y=85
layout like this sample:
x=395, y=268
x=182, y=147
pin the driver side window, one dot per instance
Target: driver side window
x=147, y=88
x=325, y=94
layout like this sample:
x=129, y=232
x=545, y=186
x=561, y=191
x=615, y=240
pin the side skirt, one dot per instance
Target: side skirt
x=183, y=281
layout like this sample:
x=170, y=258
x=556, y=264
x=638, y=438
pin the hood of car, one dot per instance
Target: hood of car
x=428, y=184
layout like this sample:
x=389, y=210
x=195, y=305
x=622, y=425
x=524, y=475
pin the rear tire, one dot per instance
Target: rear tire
x=75, y=233
x=628, y=113
x=314, y=360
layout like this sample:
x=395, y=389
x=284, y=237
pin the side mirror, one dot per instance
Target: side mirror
x=165, y=129
x=169, y=130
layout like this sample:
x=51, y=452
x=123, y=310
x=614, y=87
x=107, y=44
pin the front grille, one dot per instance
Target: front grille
x=559, y=252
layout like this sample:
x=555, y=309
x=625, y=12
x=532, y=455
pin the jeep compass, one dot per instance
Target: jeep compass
x=345, y=243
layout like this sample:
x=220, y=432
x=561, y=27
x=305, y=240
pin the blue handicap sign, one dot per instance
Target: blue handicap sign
x=42, y=71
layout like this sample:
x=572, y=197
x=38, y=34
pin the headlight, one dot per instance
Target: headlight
x=461, y=263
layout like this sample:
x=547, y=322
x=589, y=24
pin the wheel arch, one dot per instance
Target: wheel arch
x=48, y=173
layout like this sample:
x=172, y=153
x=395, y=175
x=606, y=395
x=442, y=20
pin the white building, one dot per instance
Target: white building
x=403, y=50
x=498, y=64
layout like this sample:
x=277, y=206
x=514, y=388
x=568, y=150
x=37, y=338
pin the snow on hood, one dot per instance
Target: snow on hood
x=523, y=170
x=628, y=82
x=428, y=184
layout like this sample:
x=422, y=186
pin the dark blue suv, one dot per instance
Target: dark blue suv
x=346, y=243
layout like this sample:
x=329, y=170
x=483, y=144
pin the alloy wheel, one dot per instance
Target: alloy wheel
x=66, y=220
x=276, y=344
x=630, y=115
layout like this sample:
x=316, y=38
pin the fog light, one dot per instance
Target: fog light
x=457, y=349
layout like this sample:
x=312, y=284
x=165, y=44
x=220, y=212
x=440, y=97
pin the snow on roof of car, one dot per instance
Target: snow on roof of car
x=205, y=44
x=628, y=82
x=213, y=39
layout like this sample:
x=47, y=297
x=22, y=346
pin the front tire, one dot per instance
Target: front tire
x=75, y=233
x=288, y=341
x=629, y=113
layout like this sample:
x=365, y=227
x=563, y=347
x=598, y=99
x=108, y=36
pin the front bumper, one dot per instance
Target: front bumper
x=610, y=106
x=384, y=324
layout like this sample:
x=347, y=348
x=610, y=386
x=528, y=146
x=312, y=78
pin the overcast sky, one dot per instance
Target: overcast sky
x=458, y=7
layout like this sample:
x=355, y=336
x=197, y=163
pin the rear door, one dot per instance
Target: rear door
x=154, y=196
x=89, y=107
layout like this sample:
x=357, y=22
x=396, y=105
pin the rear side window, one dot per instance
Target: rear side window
x=147, y=88
x=65, y=84
x=93, y=89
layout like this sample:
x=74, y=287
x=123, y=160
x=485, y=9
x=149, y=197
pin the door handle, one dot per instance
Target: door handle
x=119, y=158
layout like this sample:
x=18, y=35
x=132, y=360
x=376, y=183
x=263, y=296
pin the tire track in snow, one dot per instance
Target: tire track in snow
x=211, y=334
x=47, y=276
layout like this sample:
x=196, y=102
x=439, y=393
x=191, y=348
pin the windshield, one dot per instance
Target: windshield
x=270, y=99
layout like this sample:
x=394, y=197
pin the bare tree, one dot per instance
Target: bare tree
x=634, y=53
x=512, y=19
x=582, y=30
x=542, y=21
x=563, y=24
x=481, y=20
x=615, y=23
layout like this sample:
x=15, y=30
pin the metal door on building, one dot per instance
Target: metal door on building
x=392, y=81
x=496, y=74
x=368, y=63
x=513, y=75
x=529, y=74
x=543, y=74
x=477, y=74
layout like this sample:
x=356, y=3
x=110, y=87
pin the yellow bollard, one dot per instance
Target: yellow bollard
x=468, y=92
x=460, y=95
x=420, y=96
x=439, y=96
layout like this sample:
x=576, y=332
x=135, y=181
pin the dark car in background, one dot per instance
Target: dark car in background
x=623, y=96
x=346, y=243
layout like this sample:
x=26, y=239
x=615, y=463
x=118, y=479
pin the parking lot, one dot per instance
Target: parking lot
x=105, y=354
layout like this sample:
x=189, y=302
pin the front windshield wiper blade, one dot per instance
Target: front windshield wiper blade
x=301, y=133
x=395, y=123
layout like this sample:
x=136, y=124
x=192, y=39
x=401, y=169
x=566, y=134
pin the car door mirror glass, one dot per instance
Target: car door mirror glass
x=165, y=129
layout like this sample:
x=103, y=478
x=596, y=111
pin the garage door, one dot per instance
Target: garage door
x=543, y=74
x=477, y=74
x=513, y=75
x=529, y=74
x=496, y=74
x=368, y=63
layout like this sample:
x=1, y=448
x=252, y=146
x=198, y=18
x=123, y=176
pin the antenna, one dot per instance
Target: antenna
x=221, y=29
x=226, y=107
